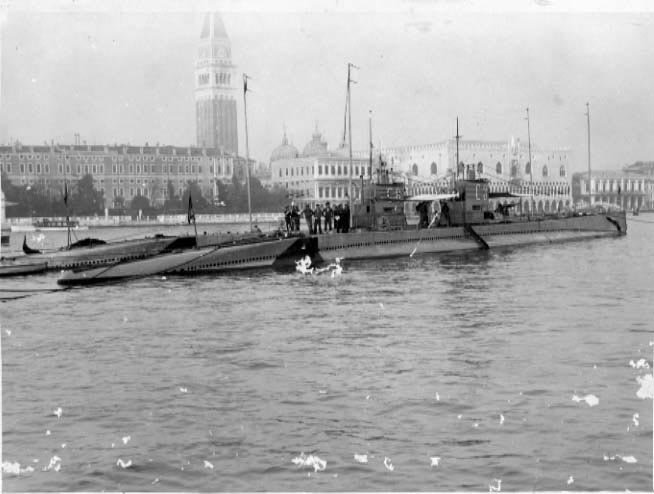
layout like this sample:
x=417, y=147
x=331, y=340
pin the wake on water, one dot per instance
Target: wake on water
x=304, y=266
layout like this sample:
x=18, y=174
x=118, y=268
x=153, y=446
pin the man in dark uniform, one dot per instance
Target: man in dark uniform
x=345, y=218
x=338, y=210
x=317, y=219
x=308, y=216
x=328, y=213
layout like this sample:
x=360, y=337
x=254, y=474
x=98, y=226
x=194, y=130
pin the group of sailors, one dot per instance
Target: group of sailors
x=318, y=219
x=438, y=211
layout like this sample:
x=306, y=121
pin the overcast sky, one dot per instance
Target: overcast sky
x=118, y=72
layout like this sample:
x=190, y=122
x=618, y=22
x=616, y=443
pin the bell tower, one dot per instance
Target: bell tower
x=215, y=88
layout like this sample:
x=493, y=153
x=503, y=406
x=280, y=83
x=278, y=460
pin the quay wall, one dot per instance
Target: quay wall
x=162, y=219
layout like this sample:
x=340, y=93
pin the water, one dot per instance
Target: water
x=472, y=372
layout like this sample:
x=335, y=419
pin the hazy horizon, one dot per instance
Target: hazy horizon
x=116, y=75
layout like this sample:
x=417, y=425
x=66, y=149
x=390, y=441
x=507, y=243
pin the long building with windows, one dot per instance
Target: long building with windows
x=122, y=172
x=631, y=188
x=318, y=174
x=506, y=164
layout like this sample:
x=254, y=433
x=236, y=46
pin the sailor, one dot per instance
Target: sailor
x=345, y=218
x=295, y=217
x=421, y=208
x=445, y=213
x=436, y=213
x=287, y=218
x=328, y=213
x=317, y=219
x=308, y=214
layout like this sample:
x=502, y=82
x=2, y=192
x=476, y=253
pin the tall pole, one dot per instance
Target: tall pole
x=247, y=149
x=531, y=166
x=589, y=174
x=370, y=138
x=349, y=125
x=457, y=147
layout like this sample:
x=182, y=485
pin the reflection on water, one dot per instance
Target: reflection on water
x=513, y=370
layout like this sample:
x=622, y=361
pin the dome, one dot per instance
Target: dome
x=316, y=146
x=284, y=152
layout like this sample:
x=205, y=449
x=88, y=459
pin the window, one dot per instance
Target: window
x=562, y=171
x=320, y=192
x=22, y=167
x=319, y=169
x=434, y=169
x=38, y=168
x=333, y=170
x=94, y=169
x=29, y=167
x=498, y=168
x=545, y=171
x=414, y=169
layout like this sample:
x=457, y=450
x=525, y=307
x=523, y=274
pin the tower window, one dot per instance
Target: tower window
x=203, y=79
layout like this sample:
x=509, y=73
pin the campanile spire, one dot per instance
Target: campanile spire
x=215, y=87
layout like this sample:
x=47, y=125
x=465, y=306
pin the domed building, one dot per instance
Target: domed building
x=316, y=146
x=317, y=175
x=285, y=151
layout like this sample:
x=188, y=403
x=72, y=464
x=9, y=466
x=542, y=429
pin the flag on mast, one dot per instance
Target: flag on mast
x=191, y=213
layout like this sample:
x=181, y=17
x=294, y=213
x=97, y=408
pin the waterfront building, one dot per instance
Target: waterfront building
x=318, y=174
x=122, y=172
x=505, y=164
x=631, y=188
x=216, y=84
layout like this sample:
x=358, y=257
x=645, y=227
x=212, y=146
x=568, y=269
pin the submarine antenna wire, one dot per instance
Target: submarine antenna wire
x=431, y=223
x=350, y=66
x=247, y=150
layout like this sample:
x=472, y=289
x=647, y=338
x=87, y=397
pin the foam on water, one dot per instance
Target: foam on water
x=314, y=461
x=360, y=458
x=388, y=464
x=591, y=400
x=55, y=464
x=15, y=468
x=434, y=461
x=641, y=364
x=208, y=464
x=126, y=439
x=123, y=464
x=646, y=389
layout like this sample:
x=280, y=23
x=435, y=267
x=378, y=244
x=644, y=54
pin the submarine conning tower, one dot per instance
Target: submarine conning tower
x=471, y=204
